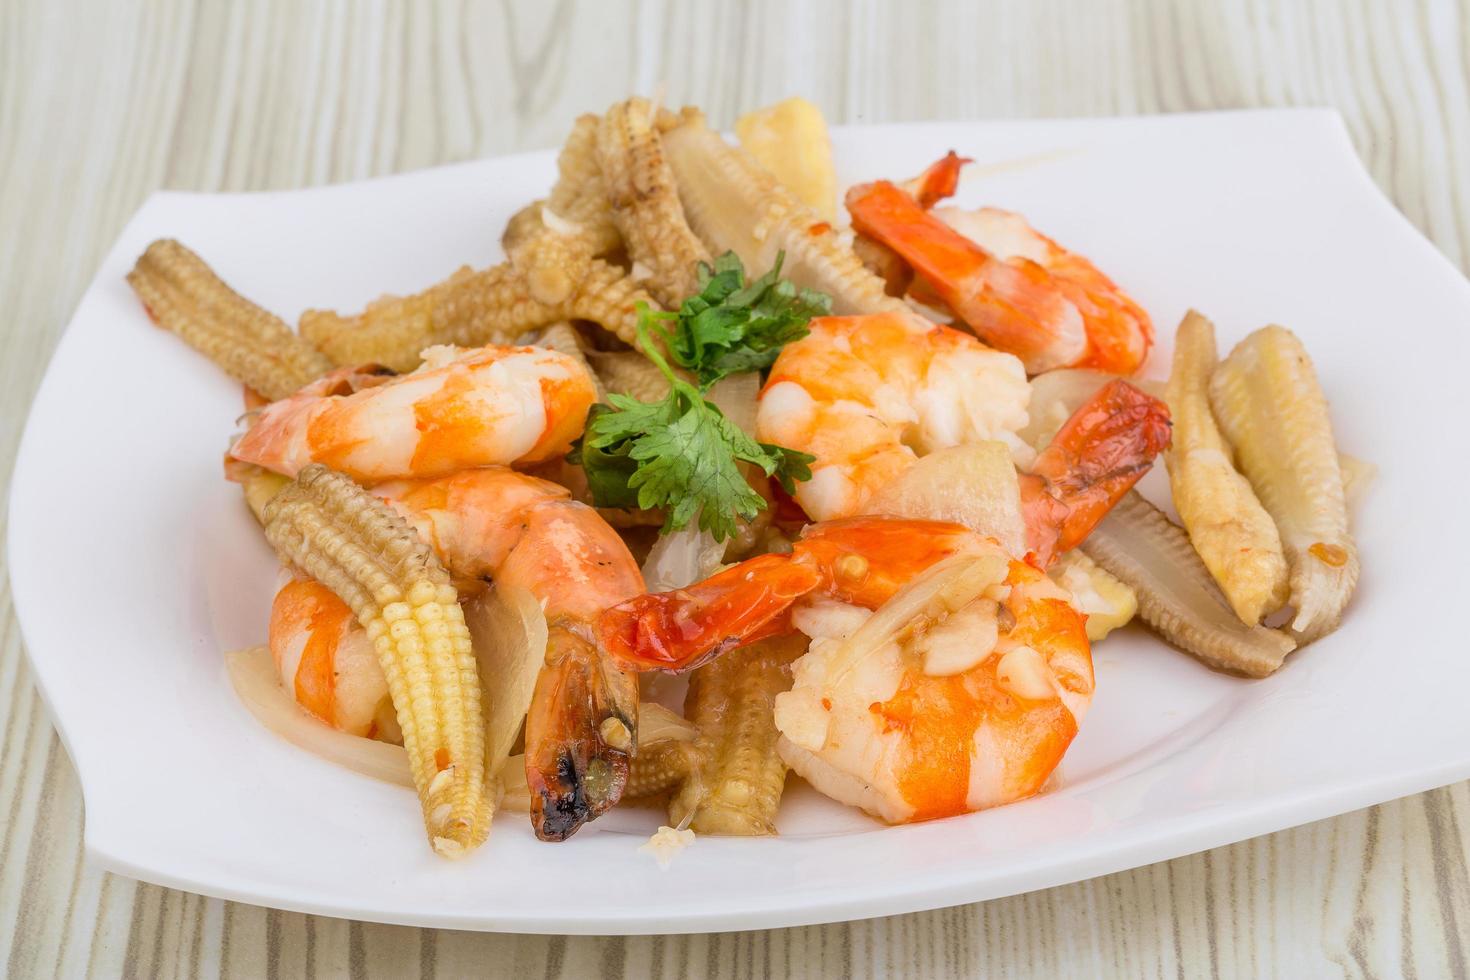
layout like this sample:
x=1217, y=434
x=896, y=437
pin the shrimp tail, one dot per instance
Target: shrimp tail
x=579, y=736
x=1095, y=458
x=679, y=630
x=938, y=181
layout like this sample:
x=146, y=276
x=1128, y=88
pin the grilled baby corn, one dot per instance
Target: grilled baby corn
x=790, y=140
x=1176, y=595
x=1227, y=524
x=734, y=204
x=470, y=309
x=357, y=546
x=1271, y=408
x=645, y=205
x=184, y=296
x=737, y=782
x=579, y=196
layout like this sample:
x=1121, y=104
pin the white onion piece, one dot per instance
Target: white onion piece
x=1055, y=395
x=942, y=588
x=253, y=673
x=508, y=633
x=681, y=558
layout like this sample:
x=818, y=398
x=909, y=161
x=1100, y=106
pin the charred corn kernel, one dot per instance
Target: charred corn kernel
x=261, y=485
x=629, y=373
x=470, y=309
x=737, y=782
x=1271, y=408
x=790, y=140
x=1107, y=602
x=645, y=203
x=1176, y=595
x=734, y=204
x=659, y=769
x=185, y=297
x=1235, y=537
x=356, y=545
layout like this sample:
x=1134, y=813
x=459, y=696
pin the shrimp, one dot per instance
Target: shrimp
x=496, y=524
x=1016, y=288
x=867, y=395
x=463, y=408
x=326, y=660
x=944, y=676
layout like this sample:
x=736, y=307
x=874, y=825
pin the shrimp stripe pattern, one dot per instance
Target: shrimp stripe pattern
x=491, y=405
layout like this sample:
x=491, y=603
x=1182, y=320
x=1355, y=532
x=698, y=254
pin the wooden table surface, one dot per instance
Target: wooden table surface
x=101, y=104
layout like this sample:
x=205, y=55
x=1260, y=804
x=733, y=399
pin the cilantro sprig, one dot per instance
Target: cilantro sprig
x=681, y=453
x=730, y=327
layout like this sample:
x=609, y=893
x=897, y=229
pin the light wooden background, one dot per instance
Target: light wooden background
x=101, y=104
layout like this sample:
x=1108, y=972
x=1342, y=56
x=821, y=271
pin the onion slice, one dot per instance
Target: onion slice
x=253, y=674
x=508, y=633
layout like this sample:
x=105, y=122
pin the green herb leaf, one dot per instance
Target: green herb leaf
x=730, y=327
x=681, y=453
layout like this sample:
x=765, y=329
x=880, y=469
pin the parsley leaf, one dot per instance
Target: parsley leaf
x=729, y=327
x=681, y=454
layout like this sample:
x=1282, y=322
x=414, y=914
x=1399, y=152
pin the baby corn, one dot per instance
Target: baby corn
x=790, y=140
x=659, y=769
x=1176, y=595
x=1271, y=408
x=471, y=309
x=357, y=546
x=734, y=204
x=1227, y=524
x=628, y=372
x=580, y=194
x=737, y=782
x=645, y=204
x=185, y=297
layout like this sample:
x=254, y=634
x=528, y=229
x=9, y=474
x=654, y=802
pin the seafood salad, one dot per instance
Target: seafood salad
x=863, y=476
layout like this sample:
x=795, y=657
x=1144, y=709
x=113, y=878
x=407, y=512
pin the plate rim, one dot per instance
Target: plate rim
x=1186, y=834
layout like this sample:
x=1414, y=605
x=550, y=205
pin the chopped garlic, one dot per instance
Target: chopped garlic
x=665, y=843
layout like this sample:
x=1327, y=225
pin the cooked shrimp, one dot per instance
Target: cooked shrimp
x=495, y=523
x=1018, y=289
x=961, y=691
x=463, y=408
x=867, y=395
x=326, y=660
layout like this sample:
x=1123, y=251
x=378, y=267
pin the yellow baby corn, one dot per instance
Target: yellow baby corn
x=737, y=782
x=470, y=309
x=645, y=203
x=659, y=769
x=1271, y=408
x=790, y=140
x=184, y=296
x=357, y=546
x=1227, y=525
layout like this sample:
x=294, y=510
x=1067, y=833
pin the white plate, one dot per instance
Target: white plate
x=135, y=566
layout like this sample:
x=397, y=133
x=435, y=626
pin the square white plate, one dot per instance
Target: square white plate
x=135, y=566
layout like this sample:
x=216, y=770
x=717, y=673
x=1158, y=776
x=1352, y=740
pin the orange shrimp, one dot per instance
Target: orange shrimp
x=1016, y=288
x=943, y=676
x=463, y=408
x=496, y=524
